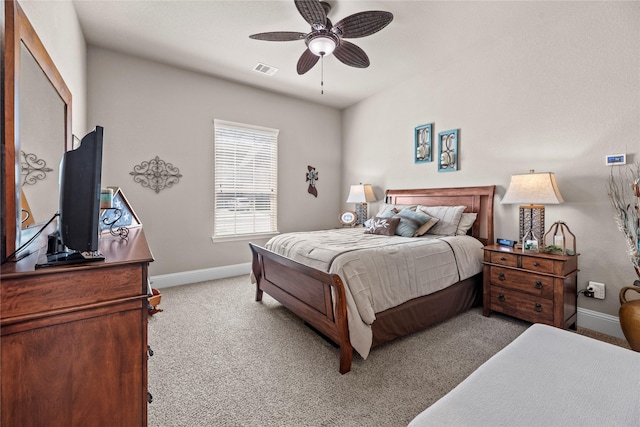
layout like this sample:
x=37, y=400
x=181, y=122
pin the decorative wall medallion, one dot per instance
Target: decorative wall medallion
x=156, y=174
x=312, y=177
x=32, y=169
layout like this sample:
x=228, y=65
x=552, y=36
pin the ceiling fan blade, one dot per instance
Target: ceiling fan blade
x=312, y=11
x=279, y=36
x=352, y=55
x=307, y=61
x=363, y=24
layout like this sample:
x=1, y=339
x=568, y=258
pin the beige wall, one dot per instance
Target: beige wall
x=149, y=109
x=557, y=96
x=554, y=96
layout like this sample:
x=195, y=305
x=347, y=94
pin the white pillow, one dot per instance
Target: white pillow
x=466, y=222
x=449, y=218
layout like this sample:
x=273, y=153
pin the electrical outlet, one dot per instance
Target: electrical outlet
x=597, y=288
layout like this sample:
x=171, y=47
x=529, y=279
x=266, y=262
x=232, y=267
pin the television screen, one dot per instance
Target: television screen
x=79, y=205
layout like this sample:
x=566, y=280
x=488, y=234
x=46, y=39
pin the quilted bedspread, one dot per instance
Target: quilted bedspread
x=380, y=272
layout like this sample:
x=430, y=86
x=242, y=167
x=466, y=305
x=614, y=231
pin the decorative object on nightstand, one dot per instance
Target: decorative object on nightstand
x=532, y=190
x=536, y=287
x=559, y=239
x=348, y=218
x=361, y=194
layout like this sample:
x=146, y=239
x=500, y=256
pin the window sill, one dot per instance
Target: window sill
x=244, y=237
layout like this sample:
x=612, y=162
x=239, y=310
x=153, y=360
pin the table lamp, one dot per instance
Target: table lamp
x=360, y=194
x=533, y=191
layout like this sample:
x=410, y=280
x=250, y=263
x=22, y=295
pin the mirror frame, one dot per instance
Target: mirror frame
x=18, y=30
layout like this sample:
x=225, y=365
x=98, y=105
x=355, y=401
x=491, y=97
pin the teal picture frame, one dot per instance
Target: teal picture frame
x=448, y=151
x=423, y=143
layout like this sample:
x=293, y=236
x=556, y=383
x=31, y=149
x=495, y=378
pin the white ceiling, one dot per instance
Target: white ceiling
x=212, y=37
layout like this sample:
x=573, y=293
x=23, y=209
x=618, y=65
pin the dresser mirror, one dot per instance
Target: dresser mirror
x=37, y=130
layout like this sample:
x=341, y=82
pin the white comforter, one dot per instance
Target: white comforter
x=380, y=272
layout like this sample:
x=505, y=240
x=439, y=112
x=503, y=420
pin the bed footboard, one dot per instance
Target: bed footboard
x=316, y=297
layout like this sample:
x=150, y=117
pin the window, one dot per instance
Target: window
x=246, y=175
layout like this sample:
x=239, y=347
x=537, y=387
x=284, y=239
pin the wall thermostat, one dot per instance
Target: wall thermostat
x=616, y=159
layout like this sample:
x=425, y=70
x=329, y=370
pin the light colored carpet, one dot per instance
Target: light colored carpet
x=223, y=359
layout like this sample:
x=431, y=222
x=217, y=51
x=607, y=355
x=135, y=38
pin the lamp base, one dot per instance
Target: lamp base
x=532, y=221
x=361, y=212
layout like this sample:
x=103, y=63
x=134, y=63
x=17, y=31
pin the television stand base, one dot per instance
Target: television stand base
x=70, y=257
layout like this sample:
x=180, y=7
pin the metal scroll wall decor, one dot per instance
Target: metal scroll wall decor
x=156, y=174
x=312, y=177
x=32, y=169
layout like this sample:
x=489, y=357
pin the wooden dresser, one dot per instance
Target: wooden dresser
x=536, y=287
x=74, y=339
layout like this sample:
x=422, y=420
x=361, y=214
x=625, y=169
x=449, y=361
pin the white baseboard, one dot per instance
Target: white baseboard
x=195, y=276
x=600, y=322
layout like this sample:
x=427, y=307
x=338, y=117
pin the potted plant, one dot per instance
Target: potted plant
x=624, y=193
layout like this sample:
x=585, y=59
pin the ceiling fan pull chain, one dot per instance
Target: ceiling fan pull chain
x=321, y=74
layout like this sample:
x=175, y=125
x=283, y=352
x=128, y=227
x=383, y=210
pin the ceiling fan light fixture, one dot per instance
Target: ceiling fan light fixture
x=322, y=45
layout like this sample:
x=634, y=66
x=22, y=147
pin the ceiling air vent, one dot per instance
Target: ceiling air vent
x=265, y=69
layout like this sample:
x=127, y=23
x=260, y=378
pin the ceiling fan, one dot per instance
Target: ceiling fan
x=326, y=38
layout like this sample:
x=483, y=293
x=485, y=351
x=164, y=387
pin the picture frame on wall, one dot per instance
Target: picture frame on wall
x=423, y=139
x=448, y=151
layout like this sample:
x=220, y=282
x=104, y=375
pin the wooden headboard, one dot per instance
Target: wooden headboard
x=476, y=199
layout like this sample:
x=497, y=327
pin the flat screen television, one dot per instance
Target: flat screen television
x=76, y=239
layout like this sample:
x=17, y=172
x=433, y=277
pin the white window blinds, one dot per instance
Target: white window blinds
x=246, y=178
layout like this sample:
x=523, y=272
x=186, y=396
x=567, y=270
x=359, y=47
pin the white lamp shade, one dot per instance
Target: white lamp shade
x=322, y=46
x=361, y=193
x=533, y=188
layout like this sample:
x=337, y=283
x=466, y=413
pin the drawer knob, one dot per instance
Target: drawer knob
x=501, y=276
x=535, y=264
x=503, y=258
x=501, y=297
x=538, y=307
x=538, y=284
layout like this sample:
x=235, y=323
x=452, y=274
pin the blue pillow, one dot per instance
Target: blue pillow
x=410, y=222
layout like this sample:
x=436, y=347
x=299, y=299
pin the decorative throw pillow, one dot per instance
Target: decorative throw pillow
x=426, y=227
x=394, y=209
x=410, y=222
x=449, y=218
x=383, y=226
x=466, y=222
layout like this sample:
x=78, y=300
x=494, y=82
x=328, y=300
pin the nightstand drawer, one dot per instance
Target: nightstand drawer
x=510, y=260
x=523, y=306
x=538, y=264
x=541, y=286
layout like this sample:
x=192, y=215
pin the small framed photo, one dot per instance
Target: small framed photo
x=423, y=143
x=448, y=151
x=348, y=218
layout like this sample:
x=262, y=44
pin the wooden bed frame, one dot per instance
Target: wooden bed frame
x=318, y=298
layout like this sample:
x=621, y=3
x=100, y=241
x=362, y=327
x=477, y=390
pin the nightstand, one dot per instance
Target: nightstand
x=532, y=286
